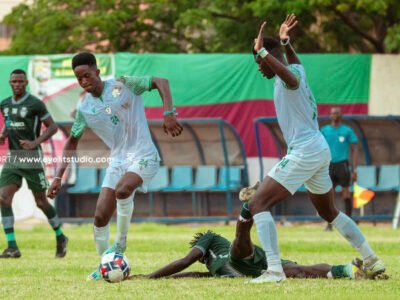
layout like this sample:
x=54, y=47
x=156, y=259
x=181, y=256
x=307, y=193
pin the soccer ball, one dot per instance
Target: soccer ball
x=114, y=267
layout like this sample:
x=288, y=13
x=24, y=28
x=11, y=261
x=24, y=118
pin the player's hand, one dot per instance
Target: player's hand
x=172, y=126
x=54, y=188
x=286, y=26
x=354, y=176
x=28, y=145
x=258, y=42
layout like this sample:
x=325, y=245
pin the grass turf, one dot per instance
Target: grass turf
x=37, y=274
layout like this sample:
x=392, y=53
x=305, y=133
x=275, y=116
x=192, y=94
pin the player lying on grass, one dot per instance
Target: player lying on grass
x=242, y=258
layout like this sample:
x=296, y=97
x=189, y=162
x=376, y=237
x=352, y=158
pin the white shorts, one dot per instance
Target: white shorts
x=145, y=168
x=312, y=170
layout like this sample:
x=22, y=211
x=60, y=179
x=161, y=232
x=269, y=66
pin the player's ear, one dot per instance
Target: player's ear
x=97, y=71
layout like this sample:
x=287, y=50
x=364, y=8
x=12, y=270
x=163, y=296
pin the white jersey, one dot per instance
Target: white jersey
x=296, y=110
x=118, y=118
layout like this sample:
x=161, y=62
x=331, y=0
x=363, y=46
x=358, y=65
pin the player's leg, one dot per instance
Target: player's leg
x=333, y=174
x=7, y=219
x=242, y=246
x=54, y=221
x=322, y=198
x=348, y=203
x=268, y=194
x=344, y=179
x=293, y=270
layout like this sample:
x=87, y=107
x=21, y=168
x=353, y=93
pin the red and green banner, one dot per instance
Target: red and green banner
x=226, y=86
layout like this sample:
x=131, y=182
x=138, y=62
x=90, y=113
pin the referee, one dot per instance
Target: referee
x=342, y=142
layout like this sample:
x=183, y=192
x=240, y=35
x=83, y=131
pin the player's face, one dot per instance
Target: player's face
x=336, y=114
x=88, y=77
x=18, y=84
x=264, y=69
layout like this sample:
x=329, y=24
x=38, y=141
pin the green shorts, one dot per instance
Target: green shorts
x=36, y=178
x=252, y=266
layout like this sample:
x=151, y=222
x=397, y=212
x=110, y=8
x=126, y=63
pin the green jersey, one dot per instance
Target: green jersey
x=216, y=249
x=23, y=120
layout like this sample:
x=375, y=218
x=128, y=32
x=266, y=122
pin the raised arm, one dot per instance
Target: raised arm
x=171, y=124
x=274, y=64
x=289, y=23
x=178, y=265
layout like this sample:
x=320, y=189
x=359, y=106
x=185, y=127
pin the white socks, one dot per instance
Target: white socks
x=267, y=235
x=348, y=228
x=124, y=215
x=101, y=238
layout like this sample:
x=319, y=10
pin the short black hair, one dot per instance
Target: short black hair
x=18, y=71
x=83, y=58
x=270, y=44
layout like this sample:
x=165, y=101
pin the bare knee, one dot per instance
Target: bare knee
x=328, y=215
x=123, y=191
x=101, y=219
x=5, y=201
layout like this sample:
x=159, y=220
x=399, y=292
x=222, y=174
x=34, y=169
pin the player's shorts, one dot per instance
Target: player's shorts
x=254, y=265
x=312, y=170
x=145, y=168
x=340, y=173
x=35, y=177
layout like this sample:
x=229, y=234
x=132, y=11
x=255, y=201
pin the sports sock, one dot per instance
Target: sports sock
x=55, y=223
x=124, y=215
x=245, y=212
x=348, y=228
x=267, y=235
x=101, y=238
x=7, y=219
x=341, y=271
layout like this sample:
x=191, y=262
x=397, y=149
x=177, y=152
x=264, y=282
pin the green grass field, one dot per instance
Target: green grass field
x=37, y=274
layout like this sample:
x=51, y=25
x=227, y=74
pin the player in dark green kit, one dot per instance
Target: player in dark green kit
x=242, y=258
x=23, y=117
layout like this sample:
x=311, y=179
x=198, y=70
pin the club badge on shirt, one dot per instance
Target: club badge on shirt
x=116, y=91
x=108, y=110
x=341, y=139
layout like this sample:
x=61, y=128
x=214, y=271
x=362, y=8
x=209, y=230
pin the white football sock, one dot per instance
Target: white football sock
x=267, y=235
x=124, y=215
x=348, y=228
x=101, y=238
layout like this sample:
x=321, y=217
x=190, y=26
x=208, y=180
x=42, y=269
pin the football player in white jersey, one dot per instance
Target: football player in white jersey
x=307, y=160
x=114, y=110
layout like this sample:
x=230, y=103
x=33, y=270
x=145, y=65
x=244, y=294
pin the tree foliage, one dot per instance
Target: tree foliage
x=59, y=26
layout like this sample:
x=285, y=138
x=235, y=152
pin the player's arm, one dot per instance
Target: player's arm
x=51, y=129
x=286, y=26
x=275, y=65
x=3, y=135
x=191, y=275
x=178, y=265
x=69, y=149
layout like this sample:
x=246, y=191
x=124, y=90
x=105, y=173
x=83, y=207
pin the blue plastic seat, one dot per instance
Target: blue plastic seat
x=181, y=179
x=160, y=180
x=86, y=180
x=235, y=175
x=389, y=178
x=366, y=177
x=206, y=178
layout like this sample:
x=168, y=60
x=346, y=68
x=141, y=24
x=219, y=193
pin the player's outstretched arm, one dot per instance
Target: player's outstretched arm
x=178, y=265
x=171, y=124
x=276, y=66
x=51, y=129
x=68, y=150
x=289, y=23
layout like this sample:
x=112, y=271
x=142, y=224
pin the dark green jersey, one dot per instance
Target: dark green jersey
x=216, y=254
x=23, y=120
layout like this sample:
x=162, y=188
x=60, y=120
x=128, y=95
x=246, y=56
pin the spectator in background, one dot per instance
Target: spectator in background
x=340, y=139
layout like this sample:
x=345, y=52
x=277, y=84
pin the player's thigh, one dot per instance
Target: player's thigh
x=320, y=182
x=145, y=169
x=10, y=182
x=36, y=180
x=128, y=183
x=105, y=207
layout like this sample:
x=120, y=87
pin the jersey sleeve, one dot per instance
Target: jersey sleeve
x=137, y=84
x=204, y=242
x=42, y=111
x=79, y=125
x=298, y=72
x=351, y=136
